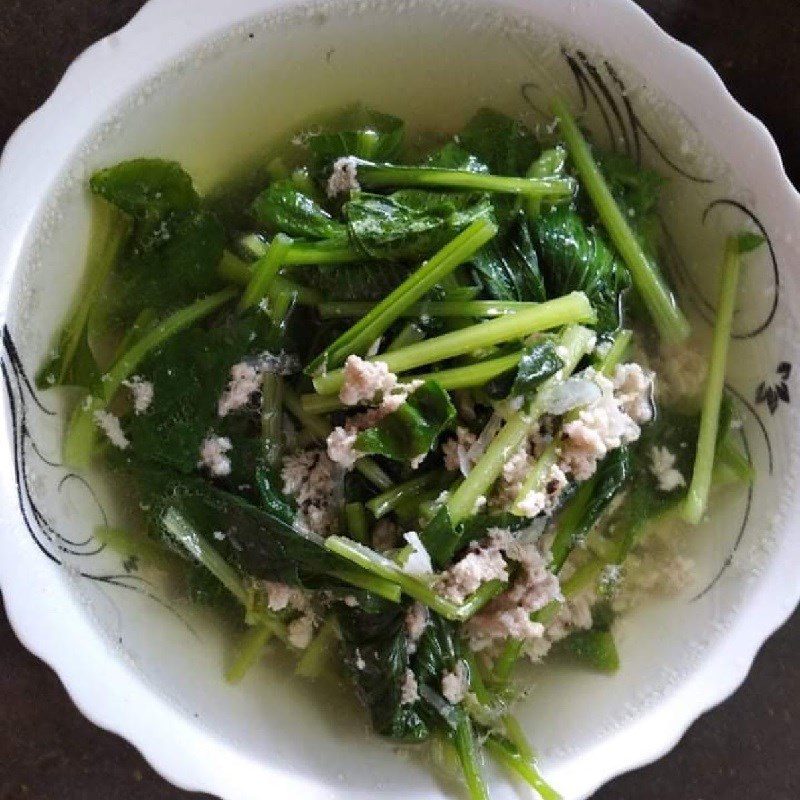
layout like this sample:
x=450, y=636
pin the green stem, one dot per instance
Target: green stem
x=569, y=309
x=668, y=318
x=576, y=340
x=110, y=230
x=250, y=648
x=305, y=254
x=514, y=762
x=388, y=590
x=608, y=363
x=464, y=742
x=356, y=520
x=390, y=175
x=410, y=334
x=360, y=336
x=124, y=367
x=537, y=477
x=517, y=737
x=476, y=682
x=80, y=436
x=321, y=430
x=265, y=270
x=317, y=655
x=444, y=308
x=697, y=497
x=196, y=546
x=388, y=570
x=478, y=374
x=140, y=546
x=382, y=504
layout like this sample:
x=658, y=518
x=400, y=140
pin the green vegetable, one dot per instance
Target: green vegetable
x=592, y=498
x=361, y=132
x=595, y=648
x=71, y=362
x=576, y=258
x=410, y=224
x=509, y=268
x=538, y=362
x=265, y=270
x=708, y=438
x=358, y=338
x=281, y=208
x=505, y=145
x=411, y=431
x=80, y=435
x=666, y=315
x=572, y=308
x=147, y=188
x=379, y=175
x=576, y=341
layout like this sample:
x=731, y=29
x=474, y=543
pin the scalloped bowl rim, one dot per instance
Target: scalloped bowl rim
x=46, y=628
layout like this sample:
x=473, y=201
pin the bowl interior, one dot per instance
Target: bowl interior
x=218, y=109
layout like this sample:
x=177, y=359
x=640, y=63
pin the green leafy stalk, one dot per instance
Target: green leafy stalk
x=478, y=374
x=410, y=334
x=139, y=547
x=320, y=430
x=369, y=582
x=568, y=310
x=387, y=501
x=355, y=516
x=432, y=177
x=697, y=497
x=80, y=436
x=576, y=340
x=417, y=588
x=507, y=754
x=374, y=324
x=668, y=318
x=265, y=270
x=110, y=230
x=464, y=742
x=198, y=548
x=303, y=254
x=445, y=308
x=249, y=649
x=608, y=363
x=317, y=655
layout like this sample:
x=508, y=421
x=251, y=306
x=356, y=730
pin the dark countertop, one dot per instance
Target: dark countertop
x=747, y=749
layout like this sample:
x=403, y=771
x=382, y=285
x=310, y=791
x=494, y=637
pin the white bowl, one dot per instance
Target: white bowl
x=210, y=87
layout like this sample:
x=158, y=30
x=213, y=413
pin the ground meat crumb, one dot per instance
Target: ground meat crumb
x=110, y=425
x=456, y=451
x=481, y=564
x=300, y=632
x=662, y=465
x=409, y=691
x=142, y=392
x=455, y=684
x=344, y=177
x=415, y=622
x=308, y=476
x=213, y=455
x=600, y=427
x=633, y=387
x=509, y=614
x=341, y=447
x=545, y=501
x=244, y=382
